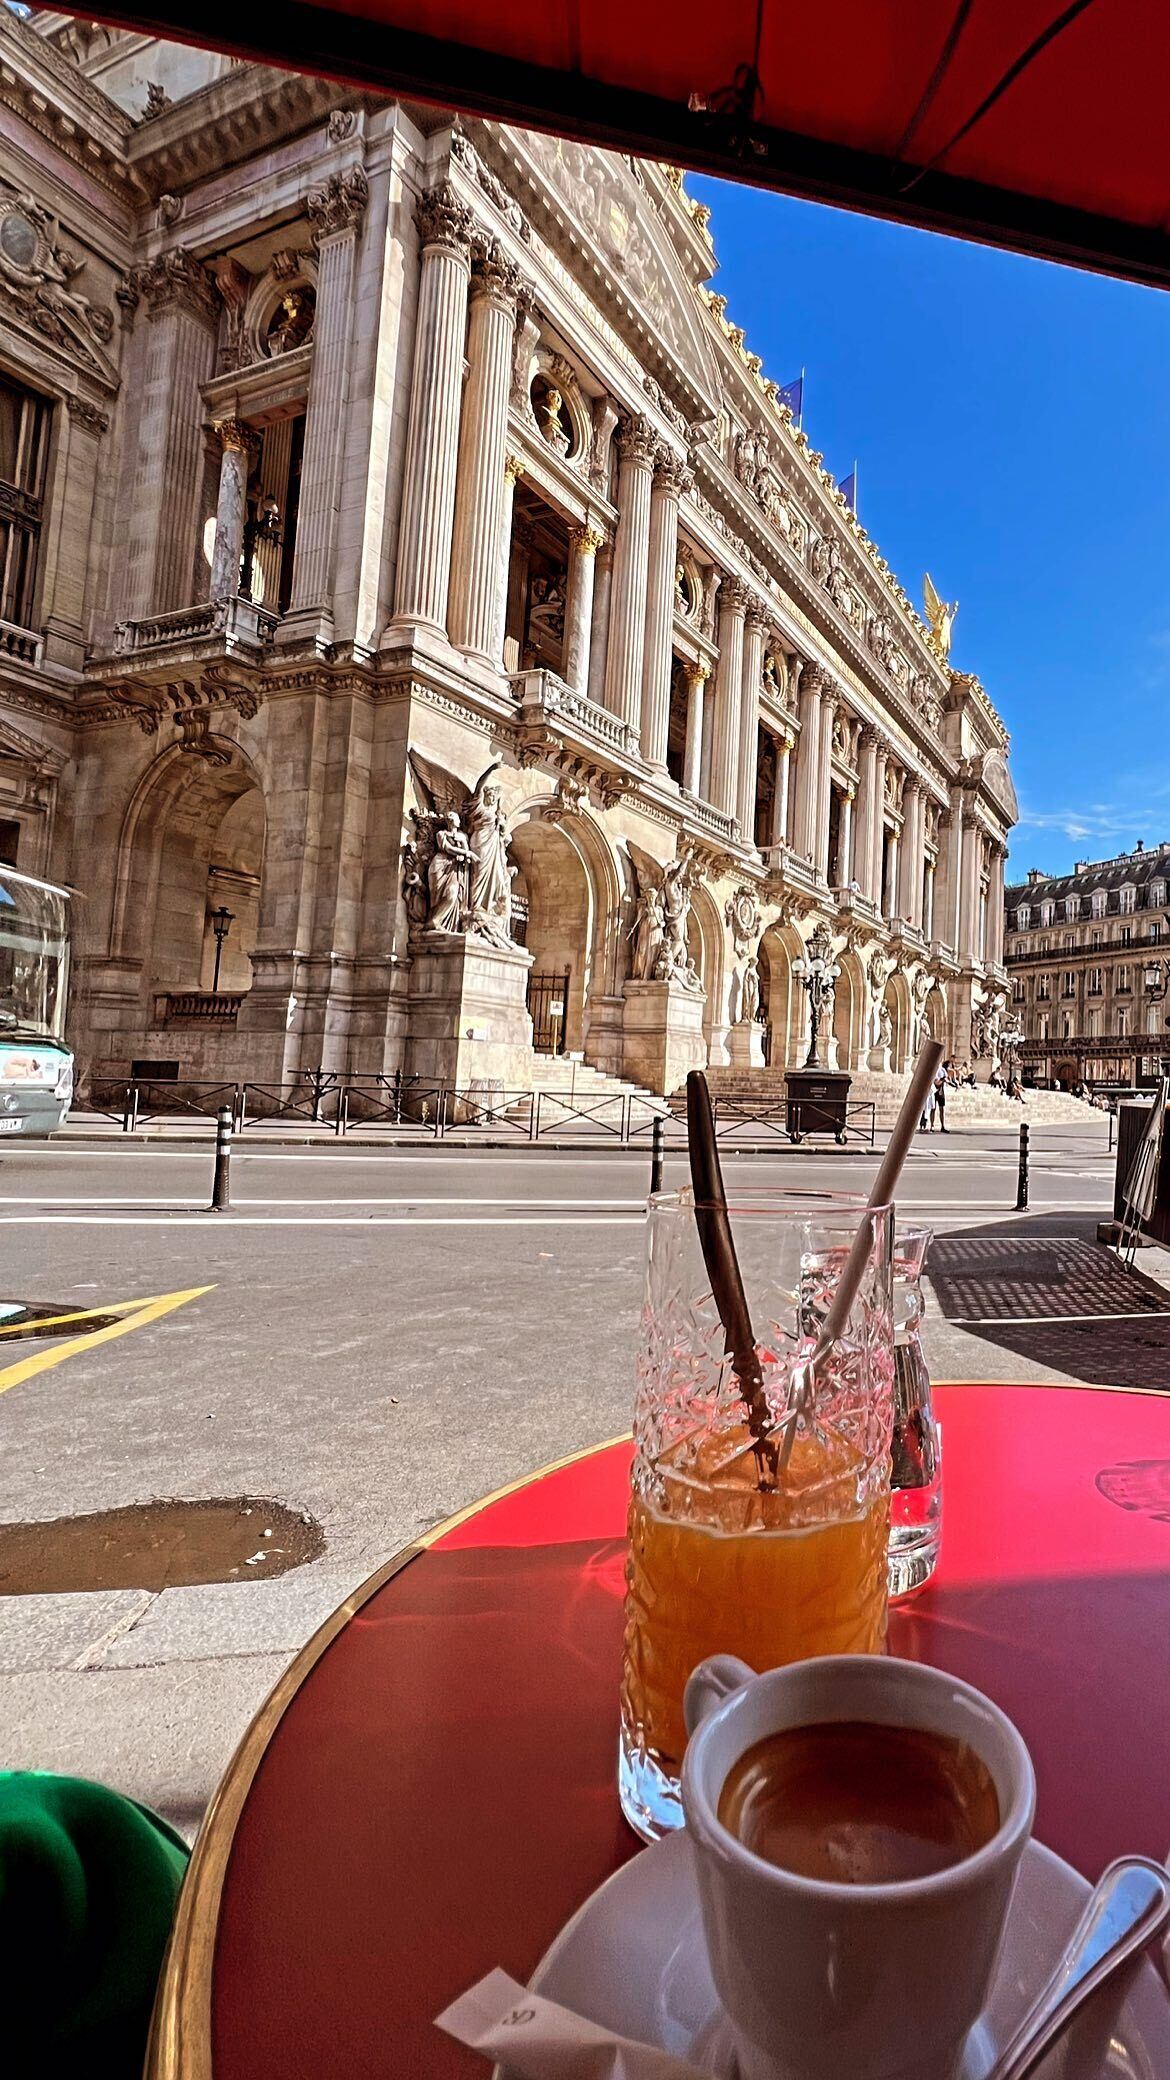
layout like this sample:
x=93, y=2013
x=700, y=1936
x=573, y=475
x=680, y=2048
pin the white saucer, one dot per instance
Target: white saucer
x=633, y=1960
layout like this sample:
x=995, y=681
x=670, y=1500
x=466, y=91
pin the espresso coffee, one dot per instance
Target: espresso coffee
x=860, y=1804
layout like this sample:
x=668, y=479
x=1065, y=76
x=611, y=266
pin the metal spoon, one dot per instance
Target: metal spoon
x=1125, y=1910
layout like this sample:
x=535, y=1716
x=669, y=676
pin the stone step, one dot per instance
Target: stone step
x=965, y=1107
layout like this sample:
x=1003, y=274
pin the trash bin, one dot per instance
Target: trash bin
x=818, y=1101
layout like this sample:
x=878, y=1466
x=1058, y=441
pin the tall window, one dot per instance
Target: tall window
x=1069, y=986
x=24, y=428
x=1043, y=987
x=1127, y=898
x=1122, y=1023
x=1122, y=979
x=1094, y=982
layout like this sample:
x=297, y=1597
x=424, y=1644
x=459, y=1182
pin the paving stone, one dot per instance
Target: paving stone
x=55, y=1631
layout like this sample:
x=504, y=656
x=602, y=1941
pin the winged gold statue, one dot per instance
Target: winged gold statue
x=940, y=613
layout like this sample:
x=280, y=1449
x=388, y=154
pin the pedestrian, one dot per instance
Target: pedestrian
x=927, y=1121
x=940, y=1097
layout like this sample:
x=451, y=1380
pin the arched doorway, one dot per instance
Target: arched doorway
x=193, y=845
x=782, y=998
x=896, y=1004
x=555, y=918
x=937, y=1022
x=849, y=1011
x=705, y=944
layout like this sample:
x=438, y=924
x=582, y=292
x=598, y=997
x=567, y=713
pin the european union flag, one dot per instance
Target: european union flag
x=848, y=487
x=792, y=394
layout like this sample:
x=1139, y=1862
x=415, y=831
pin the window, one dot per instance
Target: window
x=1043, y=988
x=1126, y=935
x=1044, y=1029
x=1155, y=932
x=1157, y=894
x=1122, y=1022
x=1066, y=1024
x=1093, y=1025
x=1122, y=983
x=1069, y=986
x=1127, y=899
x=24, y=431
x=1100, y=900
x=1023, y=918
x=1017, y=991
x=1046, y=913
x=1072, y=906
x=1070, y=940
x=1094, y=939
x=1094, y=982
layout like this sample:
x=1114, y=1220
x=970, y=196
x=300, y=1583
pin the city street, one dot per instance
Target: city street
x=374, y=1338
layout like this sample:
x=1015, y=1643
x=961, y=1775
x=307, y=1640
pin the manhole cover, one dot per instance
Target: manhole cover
x=157, y=1545
x=993, y=1278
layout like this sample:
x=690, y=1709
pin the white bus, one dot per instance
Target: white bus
x=36, y=1067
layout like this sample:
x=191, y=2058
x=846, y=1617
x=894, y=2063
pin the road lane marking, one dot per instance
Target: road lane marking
x=165, y=1222
x=136, y=1316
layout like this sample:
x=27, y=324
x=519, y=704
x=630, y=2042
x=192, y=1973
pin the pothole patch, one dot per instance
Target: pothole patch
x=157, y=1545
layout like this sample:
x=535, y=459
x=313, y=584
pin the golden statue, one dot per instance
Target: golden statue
x=941, y=615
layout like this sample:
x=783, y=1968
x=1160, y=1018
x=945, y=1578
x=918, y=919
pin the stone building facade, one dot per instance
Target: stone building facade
x=406, y=560
x=1088, y=954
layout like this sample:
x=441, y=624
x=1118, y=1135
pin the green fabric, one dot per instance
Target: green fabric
x=88, y=1884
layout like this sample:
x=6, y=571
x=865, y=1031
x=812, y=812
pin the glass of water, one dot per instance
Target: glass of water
x=916, y=1466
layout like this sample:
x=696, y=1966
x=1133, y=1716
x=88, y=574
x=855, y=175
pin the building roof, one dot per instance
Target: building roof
x=1137, y=868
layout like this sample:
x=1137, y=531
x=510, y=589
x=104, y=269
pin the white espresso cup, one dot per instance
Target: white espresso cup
x=825, y=1981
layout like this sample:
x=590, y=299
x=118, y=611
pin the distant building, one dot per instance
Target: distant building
x=1087, y=954
x=426, y=636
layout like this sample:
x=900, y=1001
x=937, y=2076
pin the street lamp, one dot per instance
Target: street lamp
x=221, y=921
x=818, y=972
x=261, y=525
x=1155, y=973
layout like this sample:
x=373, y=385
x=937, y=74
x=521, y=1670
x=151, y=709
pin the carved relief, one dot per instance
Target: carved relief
x=178, y=279
x=442, y=219
x=468, y=158
x=37, y=281
x=338, y=205
x=456, y=876
x=744, y=919
x=659, y=932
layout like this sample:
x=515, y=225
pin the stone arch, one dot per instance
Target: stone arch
x=707, y=947
x=897, y=1003
x=566, y=859
x=937, y=1015
x=193, y=837
x=291, y=275
x=782, y=998
x=849, y=1001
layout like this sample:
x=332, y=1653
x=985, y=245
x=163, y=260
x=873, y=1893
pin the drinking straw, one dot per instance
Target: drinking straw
x=884, y=1186
x=718, y=1247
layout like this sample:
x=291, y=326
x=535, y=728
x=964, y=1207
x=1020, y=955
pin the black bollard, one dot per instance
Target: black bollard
x=221, y=1187
x=658, y=1132
x=1022, y=1180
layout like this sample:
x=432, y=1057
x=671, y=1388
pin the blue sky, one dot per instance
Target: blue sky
x=1011, y=421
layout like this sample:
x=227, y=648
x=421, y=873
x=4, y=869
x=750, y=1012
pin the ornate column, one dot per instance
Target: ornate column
x=479, y=487
x=71, y=521
x=755, y=630
x=843, y=873
x=969, y=886
x=995, y=907
x=733, y=600
x=784, y=747
x=670, y=479
x=627, y=613
x=238, y=446
x=158, y=552
x=513, y=468
x=584, y=543
x=909, y=861
x=697, y=676
x=867, y=808
x=432, y=433
x=928, y=900
x=881, y=760
x=821, y=860
x=804, y=822
x=599, y=626
x=336, y=211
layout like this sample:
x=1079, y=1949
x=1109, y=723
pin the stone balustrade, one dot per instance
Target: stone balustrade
x=237, y=622
x=20, y=644
x=197, y=1006
x=545, y=699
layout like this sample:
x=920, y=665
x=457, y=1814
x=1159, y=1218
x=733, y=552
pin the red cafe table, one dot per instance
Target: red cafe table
x=429, y=1791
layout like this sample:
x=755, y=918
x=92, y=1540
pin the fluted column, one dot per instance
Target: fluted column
x=928, y=899
x=783, y=783
x=890, y=891
x=804, y=821
x=335, y=210
x=513, y=468
x=948, y=893
x=866, y=811
x=599, y=625
x=969, y=896
x=909, y=862
x=670, y=477
x=995, y=908
x=755, y=631
x=238, y=446
x=627, y=609
x=176, y=356
x=878, y=832
x=843, y=873
x=432, y=433
x=733, y=600
x=821, y=858
x=483, y=432
x=696, y=677
x=584, y=543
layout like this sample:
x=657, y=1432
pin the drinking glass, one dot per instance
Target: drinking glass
x=757, y=1533
x=916, y=1471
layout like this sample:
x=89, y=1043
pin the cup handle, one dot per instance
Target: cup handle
x=711, y=1683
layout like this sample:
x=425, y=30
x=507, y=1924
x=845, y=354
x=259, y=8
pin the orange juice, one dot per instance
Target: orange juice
x=718, y=1567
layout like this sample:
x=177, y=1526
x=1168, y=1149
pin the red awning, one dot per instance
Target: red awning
x=1021, y=122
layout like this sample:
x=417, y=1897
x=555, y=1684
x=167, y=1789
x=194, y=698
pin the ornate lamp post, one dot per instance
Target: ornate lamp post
x=1154, y=975
x=818, y=971
x=222, y=921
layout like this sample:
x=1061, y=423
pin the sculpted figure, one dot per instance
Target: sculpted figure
x=664, y=896
x=749, y=993
x=447, y=876
x=456, y=874
x=491, y=874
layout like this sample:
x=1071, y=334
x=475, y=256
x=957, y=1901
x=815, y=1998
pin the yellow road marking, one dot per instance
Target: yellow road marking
x=141, y=1312
x=32, y=1324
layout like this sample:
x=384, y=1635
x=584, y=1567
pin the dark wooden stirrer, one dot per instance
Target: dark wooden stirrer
x=718, y=1247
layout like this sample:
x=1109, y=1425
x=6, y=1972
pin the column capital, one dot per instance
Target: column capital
x=671, y=473
x=815, y=680
x=492, y=273
x=869, y=738
x=637, y=442
x=88, y=415
x=698, y=668
x=733, y=595
x=513, y=467
x=443, y=220
x=234, y=435
x=176, y=280
x=338, y=205
x=587, y=540
x=759, y=614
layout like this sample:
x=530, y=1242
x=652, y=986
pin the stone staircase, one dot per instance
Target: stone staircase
x=570, y=1089
x=980, y=1107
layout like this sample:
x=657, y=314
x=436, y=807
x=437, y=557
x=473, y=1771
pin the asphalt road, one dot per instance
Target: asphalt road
x=383, y=1336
